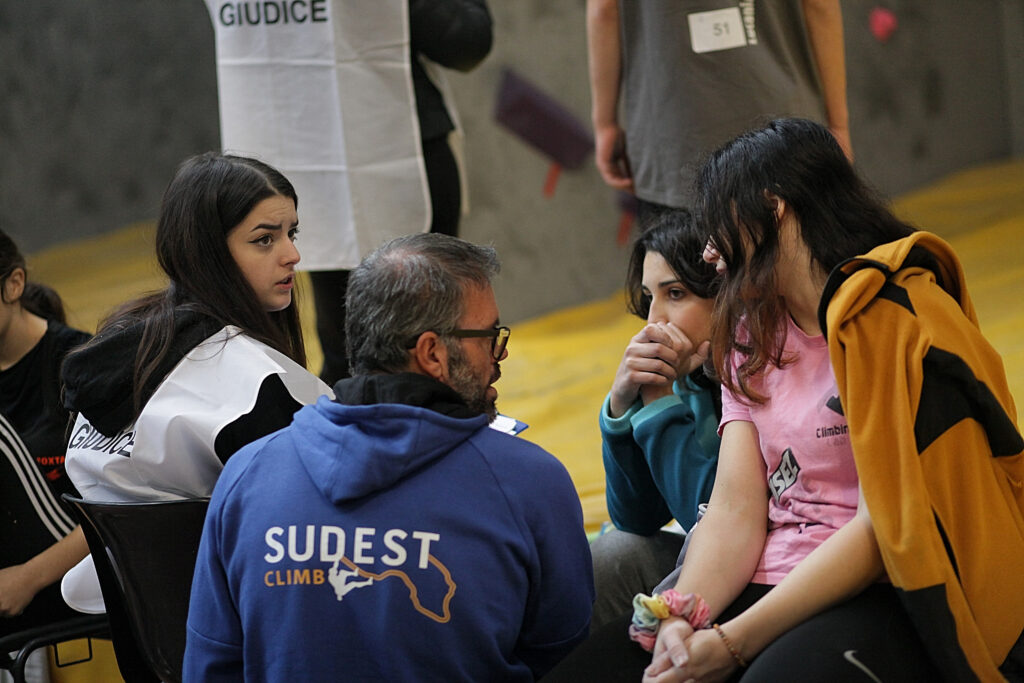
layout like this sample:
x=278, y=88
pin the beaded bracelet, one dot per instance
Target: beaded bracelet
x=728, y=645
x=650, y=610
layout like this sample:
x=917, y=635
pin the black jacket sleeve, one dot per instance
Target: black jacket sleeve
x=457, y=34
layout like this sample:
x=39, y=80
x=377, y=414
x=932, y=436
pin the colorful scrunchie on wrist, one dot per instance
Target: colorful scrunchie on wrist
x=650, y=610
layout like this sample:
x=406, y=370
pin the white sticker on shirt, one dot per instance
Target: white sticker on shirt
x=720, y=29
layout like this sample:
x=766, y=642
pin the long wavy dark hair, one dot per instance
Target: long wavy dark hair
x=209, y=195
x=839, y=216
x=36, y=298
x=673, y=234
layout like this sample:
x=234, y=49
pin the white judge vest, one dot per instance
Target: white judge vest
x=322, y=90
x=169, y=451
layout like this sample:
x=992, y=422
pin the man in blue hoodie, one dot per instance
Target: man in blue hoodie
x=390, y=534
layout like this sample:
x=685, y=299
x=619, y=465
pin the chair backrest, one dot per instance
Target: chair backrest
x=145, y=554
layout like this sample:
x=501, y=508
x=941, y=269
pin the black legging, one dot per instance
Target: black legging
x=329, y=286
x=868, y=633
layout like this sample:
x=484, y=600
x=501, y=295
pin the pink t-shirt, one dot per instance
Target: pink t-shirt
x=805, y=443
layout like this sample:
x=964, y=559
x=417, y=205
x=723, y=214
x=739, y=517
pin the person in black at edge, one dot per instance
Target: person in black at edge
x=39, y=540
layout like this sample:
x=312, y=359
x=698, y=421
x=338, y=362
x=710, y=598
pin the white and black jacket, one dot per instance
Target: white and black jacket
x=218, y=395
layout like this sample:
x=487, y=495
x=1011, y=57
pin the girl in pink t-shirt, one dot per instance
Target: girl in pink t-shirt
x=786, y=559
x=805, y=445
x=783, y=579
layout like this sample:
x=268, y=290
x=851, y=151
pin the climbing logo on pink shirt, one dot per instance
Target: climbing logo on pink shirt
x=784, y=475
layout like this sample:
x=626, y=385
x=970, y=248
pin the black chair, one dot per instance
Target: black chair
x=145, y=554
x=28, y=641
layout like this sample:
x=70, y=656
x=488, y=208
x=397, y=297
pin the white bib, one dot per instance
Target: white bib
x=322, y=90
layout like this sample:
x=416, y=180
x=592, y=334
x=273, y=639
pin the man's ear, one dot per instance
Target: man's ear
x=14, y=286
x=430, y=356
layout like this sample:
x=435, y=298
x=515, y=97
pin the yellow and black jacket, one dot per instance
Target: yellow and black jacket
x=938, y=452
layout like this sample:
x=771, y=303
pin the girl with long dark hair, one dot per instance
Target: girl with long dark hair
x=659, y=420
x=175, y=382
x=867, y=520
x=858, y=392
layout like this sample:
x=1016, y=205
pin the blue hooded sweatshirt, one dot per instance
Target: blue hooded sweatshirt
x=389, y=536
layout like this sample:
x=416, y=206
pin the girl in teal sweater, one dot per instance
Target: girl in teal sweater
x=659, y=421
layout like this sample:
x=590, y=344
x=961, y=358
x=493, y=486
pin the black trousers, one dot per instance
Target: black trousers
x=329, y=286
x=869, y=632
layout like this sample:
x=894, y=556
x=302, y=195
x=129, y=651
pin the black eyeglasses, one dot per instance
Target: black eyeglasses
x=499, y=338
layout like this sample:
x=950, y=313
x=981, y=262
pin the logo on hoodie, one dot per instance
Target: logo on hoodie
x=372, y=557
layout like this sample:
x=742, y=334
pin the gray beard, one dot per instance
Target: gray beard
x=462, y=381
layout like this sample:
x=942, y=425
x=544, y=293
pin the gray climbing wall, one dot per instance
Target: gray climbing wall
x=102, y=98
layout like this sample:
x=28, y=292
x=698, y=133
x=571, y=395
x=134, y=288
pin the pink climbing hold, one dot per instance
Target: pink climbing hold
x=883, y=23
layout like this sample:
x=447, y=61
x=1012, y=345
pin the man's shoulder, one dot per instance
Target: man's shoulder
x=514, y=459
x=509, y=442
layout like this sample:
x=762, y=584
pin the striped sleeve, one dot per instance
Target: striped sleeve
x=24, y=483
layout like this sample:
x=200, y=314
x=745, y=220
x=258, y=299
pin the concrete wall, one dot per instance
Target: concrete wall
x=935, y=97
x=101, y=100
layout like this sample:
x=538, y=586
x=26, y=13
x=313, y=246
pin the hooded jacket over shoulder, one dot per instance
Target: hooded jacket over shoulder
x=938, y=452
x=217, y=390
x=389, y=535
